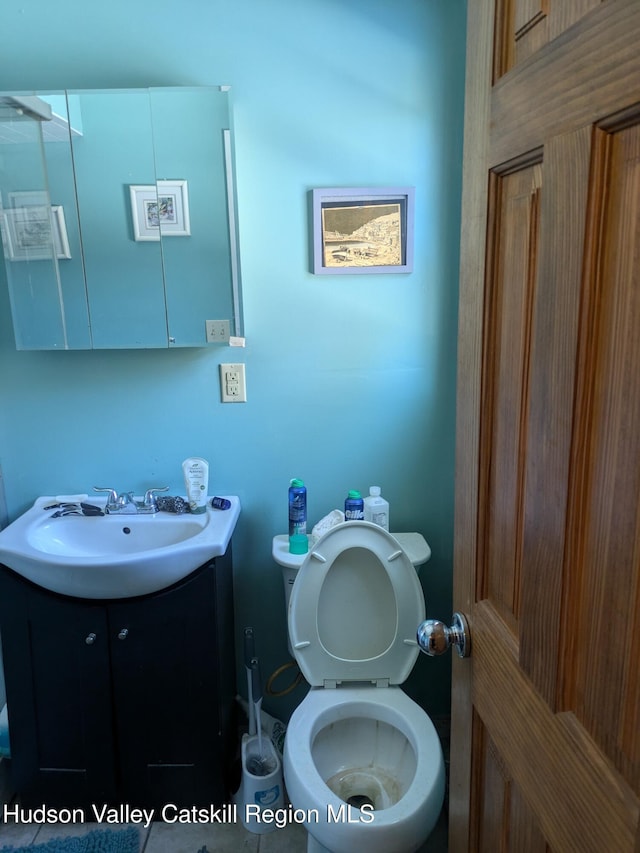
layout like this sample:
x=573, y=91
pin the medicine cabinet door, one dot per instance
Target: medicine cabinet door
x=39, y=225
x=191, y=139
x=125, y=287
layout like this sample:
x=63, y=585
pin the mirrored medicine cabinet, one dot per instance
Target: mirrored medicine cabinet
x=117, y=214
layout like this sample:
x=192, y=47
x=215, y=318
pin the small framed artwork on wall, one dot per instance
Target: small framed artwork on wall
x=362, y=230
x=161, y=209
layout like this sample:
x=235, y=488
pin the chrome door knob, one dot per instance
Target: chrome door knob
x=90, y=639
x=123, y=634
x=435, y=638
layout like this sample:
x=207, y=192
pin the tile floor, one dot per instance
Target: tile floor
x=171, y=838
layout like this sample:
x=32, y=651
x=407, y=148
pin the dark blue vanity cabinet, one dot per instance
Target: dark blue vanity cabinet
x=121, y=701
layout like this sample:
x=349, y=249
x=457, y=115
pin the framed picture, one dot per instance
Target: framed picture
x=31, y=232
x=160, y=209
x=30, y=198
x=362, y=230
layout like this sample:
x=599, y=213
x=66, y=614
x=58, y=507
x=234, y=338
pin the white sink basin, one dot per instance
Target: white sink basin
x=113, y=556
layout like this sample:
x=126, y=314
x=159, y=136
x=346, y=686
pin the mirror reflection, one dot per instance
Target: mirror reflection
x=118, y=217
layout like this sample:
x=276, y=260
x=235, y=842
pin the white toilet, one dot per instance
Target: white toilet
x=362, y=761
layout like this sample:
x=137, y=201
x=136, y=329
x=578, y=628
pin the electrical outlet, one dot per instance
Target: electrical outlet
x=217, y=331
x=233, y=387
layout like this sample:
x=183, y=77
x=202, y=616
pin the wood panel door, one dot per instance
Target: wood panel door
x=546, y=711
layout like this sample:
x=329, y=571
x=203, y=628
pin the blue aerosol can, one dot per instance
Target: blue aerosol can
x=298, y=542
x=354, y=506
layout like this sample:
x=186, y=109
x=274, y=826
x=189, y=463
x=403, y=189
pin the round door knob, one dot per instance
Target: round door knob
x=90, y=639
x=123, y=633
x=435, y=638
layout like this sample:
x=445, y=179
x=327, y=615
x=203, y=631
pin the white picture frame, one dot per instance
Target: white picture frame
x=158, y=210
x=28, y=232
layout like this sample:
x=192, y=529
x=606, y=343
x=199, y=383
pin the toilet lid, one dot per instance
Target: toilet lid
x=355, y=608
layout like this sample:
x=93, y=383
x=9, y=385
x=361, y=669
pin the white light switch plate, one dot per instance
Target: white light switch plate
x=233, y=387
x=217, y=331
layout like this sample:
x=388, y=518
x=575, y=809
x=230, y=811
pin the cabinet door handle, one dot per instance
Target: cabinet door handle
x=90, y=639
x=123, y=633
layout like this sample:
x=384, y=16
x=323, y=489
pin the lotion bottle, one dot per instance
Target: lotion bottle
x=196, y=481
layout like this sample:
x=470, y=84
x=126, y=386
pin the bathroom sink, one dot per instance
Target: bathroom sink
x=113, y=556
x=77, y=536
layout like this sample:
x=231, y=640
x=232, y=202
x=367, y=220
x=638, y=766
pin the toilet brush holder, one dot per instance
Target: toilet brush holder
x=261, y=786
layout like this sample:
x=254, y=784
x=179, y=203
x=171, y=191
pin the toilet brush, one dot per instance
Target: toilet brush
x=258, y=764
x=249, y=655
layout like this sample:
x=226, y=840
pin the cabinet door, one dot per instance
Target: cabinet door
x=198, y=282
x=56, y=662
x=125, y=286
x=39, y=230
x=166, y=695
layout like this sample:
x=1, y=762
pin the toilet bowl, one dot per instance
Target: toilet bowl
x=362, y=761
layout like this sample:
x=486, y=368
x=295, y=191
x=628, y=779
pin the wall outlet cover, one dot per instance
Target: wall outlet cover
x=233, y=387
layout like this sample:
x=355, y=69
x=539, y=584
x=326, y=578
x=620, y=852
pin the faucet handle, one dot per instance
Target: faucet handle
x=149, y=499
x=112, y=497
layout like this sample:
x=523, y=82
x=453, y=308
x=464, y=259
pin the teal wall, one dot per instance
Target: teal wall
x=350, y=378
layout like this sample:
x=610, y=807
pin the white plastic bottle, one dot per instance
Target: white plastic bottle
x=376, y=509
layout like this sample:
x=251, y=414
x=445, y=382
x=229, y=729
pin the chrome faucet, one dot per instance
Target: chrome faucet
x=148, y=503
x=126, y=504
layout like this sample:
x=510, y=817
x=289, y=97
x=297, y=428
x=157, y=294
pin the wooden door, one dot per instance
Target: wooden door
x=546, y=711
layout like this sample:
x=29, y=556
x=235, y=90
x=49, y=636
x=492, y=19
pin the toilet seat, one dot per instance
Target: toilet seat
x=354, y=609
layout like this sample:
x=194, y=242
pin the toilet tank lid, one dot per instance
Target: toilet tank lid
x=414, y=544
